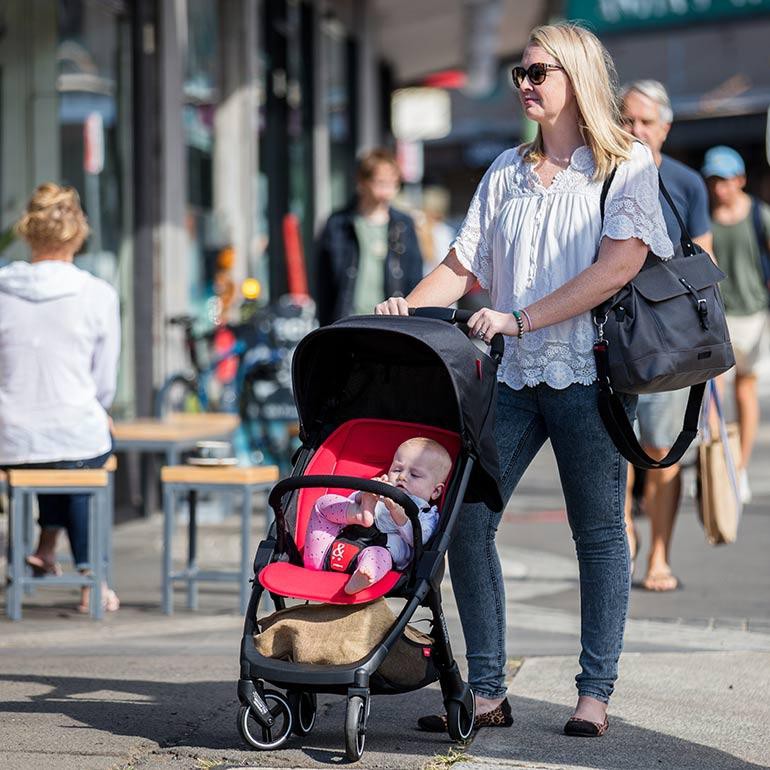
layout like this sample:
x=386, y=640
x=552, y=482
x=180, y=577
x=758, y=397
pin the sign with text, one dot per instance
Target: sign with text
x=628, y=15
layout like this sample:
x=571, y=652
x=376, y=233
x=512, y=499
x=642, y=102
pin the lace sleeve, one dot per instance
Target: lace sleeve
x=633, y=207
x=473, y=242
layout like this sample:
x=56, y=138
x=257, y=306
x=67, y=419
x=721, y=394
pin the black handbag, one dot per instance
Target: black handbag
x=664, y=330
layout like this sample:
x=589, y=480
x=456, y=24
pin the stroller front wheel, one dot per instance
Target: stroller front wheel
x=355, y=728
x=259, y=736
x=303, y=710
x=460, y=720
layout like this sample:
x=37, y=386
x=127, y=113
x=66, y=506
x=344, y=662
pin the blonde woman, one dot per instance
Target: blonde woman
x=59, y=345
x=530, y=237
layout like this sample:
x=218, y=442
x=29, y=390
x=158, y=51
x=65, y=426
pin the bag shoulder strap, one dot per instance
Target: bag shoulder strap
x=621, y=431
x=611, y=408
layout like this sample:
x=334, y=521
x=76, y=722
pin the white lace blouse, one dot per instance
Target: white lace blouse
x=522, y=241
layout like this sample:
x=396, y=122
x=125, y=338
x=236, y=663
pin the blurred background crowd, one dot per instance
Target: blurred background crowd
x=210, y=140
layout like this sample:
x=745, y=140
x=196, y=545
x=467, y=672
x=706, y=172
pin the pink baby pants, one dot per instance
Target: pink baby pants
x=328, y=517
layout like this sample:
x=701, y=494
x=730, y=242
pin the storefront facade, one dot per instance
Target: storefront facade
x=189, y=127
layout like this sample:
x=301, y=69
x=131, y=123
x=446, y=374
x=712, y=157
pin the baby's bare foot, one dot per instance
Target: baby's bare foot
x=359, y=580
x=363, y=514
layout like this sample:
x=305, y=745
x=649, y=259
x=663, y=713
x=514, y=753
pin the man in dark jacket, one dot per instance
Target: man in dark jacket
x=368, y=250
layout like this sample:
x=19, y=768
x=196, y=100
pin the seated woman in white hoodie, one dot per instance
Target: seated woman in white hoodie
x=59, y=346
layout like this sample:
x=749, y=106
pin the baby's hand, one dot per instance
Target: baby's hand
x=397, y=512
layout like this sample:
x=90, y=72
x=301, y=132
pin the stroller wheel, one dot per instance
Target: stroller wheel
x=355, y=728
x=303, y=711
x=255, y=733
x=459, y=720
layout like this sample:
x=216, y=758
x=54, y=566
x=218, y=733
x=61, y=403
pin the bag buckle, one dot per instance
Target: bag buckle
x=703, y=312
x=599, y=323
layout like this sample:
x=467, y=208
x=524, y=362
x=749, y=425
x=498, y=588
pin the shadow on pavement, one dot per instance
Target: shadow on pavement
x=536, y=737
x=201, y=715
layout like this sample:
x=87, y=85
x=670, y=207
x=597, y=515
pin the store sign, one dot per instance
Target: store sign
x=626, y=15
x=419, y=114
x=93, y=144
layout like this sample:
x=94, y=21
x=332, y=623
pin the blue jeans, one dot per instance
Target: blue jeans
x=68, y=512
x=593, y=480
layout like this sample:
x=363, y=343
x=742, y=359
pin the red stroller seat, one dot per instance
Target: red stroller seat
x=363, y=448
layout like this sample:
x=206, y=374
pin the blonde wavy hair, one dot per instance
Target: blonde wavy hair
x=594, y=81
x=53, y=220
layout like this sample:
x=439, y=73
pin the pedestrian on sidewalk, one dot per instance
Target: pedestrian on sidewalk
x=59, y=346
x=369, y=249
x=647, y=114
x=535, y=238
x=741, y=227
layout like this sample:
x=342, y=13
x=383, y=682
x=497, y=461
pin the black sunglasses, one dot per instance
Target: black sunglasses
x=535, y=73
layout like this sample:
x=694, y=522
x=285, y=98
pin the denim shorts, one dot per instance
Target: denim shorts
x=659, y=417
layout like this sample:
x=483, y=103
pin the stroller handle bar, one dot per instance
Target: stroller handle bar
x=350, y=482
x=452, y=316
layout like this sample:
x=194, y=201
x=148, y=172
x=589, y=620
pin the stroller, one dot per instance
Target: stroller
x=363, y=386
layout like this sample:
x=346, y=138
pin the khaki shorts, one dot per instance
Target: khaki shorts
x=747, y=333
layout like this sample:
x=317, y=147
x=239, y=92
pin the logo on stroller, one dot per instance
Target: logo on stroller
x=347, y=546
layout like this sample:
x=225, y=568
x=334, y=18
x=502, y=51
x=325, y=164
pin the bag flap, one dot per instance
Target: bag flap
x=658, y=280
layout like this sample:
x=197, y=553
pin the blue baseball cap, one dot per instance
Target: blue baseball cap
x=723, y=162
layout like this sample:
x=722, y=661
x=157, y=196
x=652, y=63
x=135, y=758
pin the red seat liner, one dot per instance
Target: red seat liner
x=363, y=448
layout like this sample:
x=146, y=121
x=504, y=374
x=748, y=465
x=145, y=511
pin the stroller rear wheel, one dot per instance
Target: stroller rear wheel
x=255, y=733
x=303, y=711
x=355, y=727
x=460, y=720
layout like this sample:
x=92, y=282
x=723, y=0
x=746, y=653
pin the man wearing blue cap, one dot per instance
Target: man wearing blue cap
x=740, y=225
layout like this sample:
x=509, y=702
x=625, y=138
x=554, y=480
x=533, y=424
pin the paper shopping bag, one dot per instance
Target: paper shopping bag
x=719, y=507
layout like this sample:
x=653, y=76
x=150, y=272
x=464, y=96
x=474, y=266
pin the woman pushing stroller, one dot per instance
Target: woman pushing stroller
x=535, y=237
x=370, y=535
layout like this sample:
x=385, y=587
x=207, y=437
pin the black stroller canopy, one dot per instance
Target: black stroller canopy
x=401, y=368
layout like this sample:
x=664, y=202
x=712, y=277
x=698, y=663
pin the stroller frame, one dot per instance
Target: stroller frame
x=266, y=718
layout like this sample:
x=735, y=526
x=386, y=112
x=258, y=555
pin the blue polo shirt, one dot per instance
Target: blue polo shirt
x=688, y=191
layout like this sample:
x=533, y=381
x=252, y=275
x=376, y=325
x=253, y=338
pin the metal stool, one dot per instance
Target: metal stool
x=190, y=480
x=22, y=486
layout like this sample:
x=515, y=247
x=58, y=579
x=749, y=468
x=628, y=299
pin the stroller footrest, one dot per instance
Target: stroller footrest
x=287, y=579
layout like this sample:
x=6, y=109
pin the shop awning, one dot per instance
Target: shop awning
x=418, y=38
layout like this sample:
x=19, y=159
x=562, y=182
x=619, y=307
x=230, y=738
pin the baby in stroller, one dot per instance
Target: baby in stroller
x=368, y=535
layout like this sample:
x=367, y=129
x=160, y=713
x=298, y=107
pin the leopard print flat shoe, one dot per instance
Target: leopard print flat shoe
x=498, y=717
x=583, y=728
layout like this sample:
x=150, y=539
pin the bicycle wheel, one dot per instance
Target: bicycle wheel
x=177, y=394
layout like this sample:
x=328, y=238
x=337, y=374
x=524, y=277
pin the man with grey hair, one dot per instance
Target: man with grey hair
x=647, y=114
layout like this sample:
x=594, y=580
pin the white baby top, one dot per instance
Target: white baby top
x=401, y=538
x=522, y=241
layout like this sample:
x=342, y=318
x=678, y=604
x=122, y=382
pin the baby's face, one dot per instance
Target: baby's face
x=415, y=470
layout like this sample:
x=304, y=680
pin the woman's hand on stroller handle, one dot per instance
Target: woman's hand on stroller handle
x=486, y=323
x=392, y=306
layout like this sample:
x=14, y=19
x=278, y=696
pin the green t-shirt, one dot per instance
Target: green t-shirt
x=737, y=254
x=372, y=250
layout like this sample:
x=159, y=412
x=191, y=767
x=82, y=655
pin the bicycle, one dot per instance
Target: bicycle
x=259, y=388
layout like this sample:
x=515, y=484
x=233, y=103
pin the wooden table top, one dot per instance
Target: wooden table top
x=177, y=427
x=39, y=478
x=196, y=474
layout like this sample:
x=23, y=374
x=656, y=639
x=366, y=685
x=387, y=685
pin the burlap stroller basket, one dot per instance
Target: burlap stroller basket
x=330, y=634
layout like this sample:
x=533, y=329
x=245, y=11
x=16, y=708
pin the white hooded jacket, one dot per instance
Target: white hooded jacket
x=59, y=347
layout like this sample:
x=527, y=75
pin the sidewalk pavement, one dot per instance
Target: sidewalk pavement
x=141, y=691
